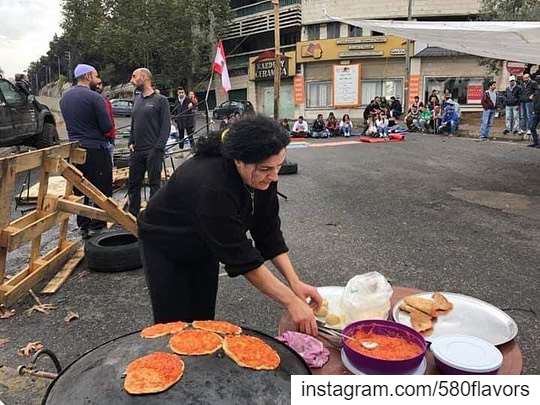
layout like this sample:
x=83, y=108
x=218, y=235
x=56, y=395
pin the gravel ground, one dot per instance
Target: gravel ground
x=431, y=213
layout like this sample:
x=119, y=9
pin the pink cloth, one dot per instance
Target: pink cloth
x=311, y=349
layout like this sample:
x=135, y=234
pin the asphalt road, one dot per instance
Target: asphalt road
x=430, y=213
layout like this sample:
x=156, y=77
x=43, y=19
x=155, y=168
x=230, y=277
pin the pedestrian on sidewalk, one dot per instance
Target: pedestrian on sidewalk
x=535, y=119
x=150, y=129
x=87, y=122
x=512, y=99
x=184, y=116
x=489, y=102
x=529, y=87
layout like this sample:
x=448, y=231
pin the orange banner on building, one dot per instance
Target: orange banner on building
x=299, y=89
x=414, y=88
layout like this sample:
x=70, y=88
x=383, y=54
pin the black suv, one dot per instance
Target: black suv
x=23, y=120
x=231, y=107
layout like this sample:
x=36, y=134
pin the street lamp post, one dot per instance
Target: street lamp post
x=408, y=62
x=277, y=61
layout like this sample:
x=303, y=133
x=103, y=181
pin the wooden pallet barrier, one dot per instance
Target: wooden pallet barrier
x=50, y=211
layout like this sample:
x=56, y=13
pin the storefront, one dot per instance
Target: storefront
x=378, y=60
x=261, y=75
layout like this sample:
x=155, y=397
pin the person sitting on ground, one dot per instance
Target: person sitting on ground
x=436, y=118
x=318, y=129
x=417, y=103
x=412, y=118
x=300, y=128
x=425, y=118
x=332, y=125
x=382, y=125
x=450, y=116
x=433, y=99
x=285, y=124
x=395, y=108
x=346, y=126
x=371, y=129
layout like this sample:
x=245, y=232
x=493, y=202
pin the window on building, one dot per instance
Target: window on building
x=382, y=88
x=332, y=30
x=376, y=34
x=355, y=31
x=319, y=94
x=465, y=90
x=313, y=32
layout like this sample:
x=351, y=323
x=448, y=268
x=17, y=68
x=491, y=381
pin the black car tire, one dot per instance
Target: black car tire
x=47, y=137
x=112, y=252
x=289, y=168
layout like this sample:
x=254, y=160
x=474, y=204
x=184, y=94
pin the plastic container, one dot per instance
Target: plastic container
x=366, y=296
x=459, y=354
x=363, y=362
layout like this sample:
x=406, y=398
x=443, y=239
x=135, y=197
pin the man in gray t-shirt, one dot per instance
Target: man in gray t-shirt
x=150, y=129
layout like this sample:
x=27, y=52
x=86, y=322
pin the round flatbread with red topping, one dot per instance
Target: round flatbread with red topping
x=194, y=342
x=251, y=352
x=156, y=372
x=222, y=327
x=162, y=329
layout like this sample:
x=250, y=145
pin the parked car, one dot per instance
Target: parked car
x=231, y=107
x=24, y=120
x=122, y=107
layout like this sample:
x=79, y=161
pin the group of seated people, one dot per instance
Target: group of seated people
x=437, y=116
x=380, y=116
x=320, y=128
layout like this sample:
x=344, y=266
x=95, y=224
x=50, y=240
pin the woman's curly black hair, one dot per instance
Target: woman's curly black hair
x=250, y=140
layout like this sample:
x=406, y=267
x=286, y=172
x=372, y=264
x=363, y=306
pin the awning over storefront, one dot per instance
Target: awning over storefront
x=514, y=41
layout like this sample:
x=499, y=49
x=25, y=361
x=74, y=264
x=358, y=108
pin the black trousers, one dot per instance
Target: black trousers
x=183, y=129
x=98, y=170
x=179, y=290
x=141, y=162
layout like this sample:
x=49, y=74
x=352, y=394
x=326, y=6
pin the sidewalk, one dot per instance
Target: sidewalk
x=470, y=128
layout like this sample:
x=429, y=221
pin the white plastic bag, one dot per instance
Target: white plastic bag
x=366, y=296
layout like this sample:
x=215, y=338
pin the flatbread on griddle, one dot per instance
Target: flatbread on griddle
x=195, y=342
x=153, y=373
x=222, y=327
x=251, y=352
x=422, y=304
x=162, y=329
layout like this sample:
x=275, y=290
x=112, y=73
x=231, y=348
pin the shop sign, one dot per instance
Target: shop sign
x=397, y=52
x=361, y=46
x=299, y=89
x=414, y=88
x=475, y=92
x=265, y=70
x=347, y=85
x=360, y=54
x=366, y=40
x=515, y=68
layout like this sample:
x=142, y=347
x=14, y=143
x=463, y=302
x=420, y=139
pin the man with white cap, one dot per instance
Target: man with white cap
x=88, y=122
x=512, y=97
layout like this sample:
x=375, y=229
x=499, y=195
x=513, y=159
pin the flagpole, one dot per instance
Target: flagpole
x=206, y=100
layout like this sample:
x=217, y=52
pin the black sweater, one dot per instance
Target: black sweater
x=150, y=122
x=204, y=212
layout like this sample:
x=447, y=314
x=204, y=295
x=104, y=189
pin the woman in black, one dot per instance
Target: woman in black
x=201, y=216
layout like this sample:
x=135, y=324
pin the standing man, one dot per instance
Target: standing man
x=150, y=129
x=526, y=107
x=535, y=119
x=111, y=135
x=489, y=102
x=87, y=122
x=185, y=116
x=512, y=96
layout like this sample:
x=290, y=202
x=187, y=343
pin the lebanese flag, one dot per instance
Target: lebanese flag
x=220, y=67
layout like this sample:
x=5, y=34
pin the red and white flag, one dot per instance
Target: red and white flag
x=220, y=67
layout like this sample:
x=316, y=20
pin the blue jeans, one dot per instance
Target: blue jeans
x=512, y=118
x=526, y=115
x=535, y=122
x=487, y=122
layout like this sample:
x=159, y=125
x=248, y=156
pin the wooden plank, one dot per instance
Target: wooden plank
x=127, y=220
x=68, y=193
x=7, y=186
x=33, y=160
x=36, y=242
x=60, y=278
x=15, y=291
x=77, y=156
x=84, y=210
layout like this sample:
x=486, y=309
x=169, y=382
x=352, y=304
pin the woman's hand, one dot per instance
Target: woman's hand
x=305, y=291
x=303, y=317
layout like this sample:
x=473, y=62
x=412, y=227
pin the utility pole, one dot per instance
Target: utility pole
x=277, y=62
x=407, y=62
x=58, y=59
x=68, y=54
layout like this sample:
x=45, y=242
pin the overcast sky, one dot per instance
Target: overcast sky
x=26, y=28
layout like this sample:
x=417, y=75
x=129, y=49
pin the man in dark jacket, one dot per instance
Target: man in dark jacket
x=184, y=116
x=512, y=97
x=150, y=129
x=536, y=118
x=526, y=107
x=489, y=103
x=88, y=122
